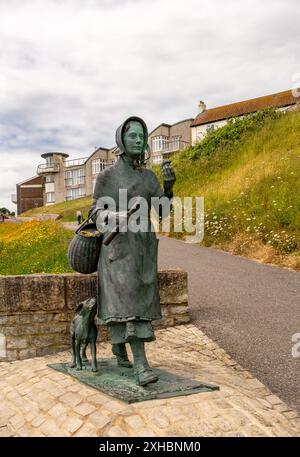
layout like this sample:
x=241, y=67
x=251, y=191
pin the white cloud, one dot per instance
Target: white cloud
x=72, y=70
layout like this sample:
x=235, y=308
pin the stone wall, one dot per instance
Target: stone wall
x=36, y=310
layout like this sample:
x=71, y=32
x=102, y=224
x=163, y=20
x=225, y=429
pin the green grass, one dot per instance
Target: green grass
x=33, y=247
x=67, y=210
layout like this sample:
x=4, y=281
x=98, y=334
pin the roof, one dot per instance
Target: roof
x=29, y=179
x=49, y=154
x=163, y=124
x=278, y=100
x=94, y=152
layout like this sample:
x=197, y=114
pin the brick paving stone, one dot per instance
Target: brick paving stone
x=47, y=403
x=273, y=400
x=135, y=422
x=38, y=421
x=50, y=428
x=6, y=432
x=74, y=388
x=72, y=424
x=116, y=407
x=84, y=409
x=282, y=407
x=99, y=420
x=116, y=432
x=144, y=432
x=16, y=422
x=254, y=430
x=97, y=399
x=296, y=423
x=290, y=414
x=87, y=430
x=71, y=399
x=6, y=413
x=157, y=418
x=57, y=410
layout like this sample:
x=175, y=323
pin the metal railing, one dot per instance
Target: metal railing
x=169, y=148
x=47, y=168
x=75, y=182
x=172, y=146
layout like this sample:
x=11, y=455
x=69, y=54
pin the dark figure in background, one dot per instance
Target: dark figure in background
x=79, y=217
x=128, y=296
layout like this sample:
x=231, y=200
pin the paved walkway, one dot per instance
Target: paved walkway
x=70, y=225
x=250, y=309
x=38, y=401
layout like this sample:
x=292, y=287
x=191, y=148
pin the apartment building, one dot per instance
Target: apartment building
x=165, y=140
x=67, y=179
x=29, y=194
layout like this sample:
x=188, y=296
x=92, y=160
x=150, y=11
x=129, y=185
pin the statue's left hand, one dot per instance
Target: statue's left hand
x=168, y=176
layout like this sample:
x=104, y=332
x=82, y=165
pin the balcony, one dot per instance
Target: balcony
x=75, y=182
x=75, y=162
x=14, y=198
x=45, y=168
x=168, y=146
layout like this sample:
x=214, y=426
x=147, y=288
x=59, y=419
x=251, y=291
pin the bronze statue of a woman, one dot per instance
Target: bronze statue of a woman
x=128, y=296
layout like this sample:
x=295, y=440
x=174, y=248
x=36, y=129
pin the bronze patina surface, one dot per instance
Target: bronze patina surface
x=120, y=383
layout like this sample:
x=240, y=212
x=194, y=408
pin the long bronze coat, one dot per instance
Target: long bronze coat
x=127, y=268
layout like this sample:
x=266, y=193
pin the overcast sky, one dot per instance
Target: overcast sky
x=73, y=70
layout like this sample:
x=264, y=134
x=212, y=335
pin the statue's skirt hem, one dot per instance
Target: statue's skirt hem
x=124, y=332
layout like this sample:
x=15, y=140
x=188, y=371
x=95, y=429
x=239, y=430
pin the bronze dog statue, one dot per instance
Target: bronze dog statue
x=83, y=332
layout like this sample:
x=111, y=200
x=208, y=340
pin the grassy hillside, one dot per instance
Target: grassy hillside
x=33, y=247
x=249, y=175
x=67, y=209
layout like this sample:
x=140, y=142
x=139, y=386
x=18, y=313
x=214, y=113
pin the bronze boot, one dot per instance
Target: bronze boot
x=119, y=350
x=142, y=372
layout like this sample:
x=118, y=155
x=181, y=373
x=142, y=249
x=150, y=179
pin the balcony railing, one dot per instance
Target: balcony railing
x=45, y=168
x=75, y=182
x=75, y=162
x=172, y=146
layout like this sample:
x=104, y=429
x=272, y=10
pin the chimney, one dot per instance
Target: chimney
x=201, y=107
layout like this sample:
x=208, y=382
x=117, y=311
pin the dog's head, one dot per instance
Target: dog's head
x=87, y=307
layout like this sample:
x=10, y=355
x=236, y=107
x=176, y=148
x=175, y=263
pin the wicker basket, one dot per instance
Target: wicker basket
x=84, y=249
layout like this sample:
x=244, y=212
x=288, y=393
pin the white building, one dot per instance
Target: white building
x=210, y=119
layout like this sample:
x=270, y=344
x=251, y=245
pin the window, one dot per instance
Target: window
x=74, y=177
x=159, y=143
x=49, y=178
x=175, y=143
x=50, y=197
x=49, y=160
x=72, y=194
x=98, y=165
x=93, y=184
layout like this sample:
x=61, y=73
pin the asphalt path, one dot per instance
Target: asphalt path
x=250, y=309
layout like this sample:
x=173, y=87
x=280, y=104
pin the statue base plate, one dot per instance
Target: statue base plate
x=120, y=383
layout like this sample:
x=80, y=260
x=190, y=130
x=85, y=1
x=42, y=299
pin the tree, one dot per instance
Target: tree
x=5, y=211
